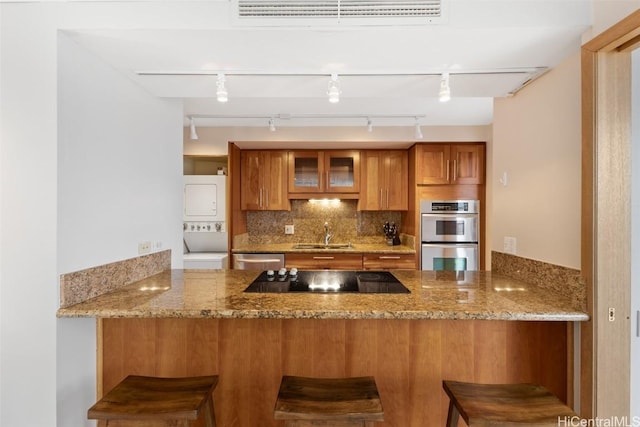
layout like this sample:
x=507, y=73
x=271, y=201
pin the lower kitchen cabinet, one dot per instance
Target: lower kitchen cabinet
x=389, y=262
x=409, y=358
x=323, y=261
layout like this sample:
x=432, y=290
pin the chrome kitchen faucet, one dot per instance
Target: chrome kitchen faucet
x=327, y=234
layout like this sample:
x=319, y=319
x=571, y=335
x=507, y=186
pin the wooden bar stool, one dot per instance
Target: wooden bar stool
x=151, y=401
x=501, y=405
x=330, y=402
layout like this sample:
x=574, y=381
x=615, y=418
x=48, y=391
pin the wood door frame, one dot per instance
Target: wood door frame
x=606, y=218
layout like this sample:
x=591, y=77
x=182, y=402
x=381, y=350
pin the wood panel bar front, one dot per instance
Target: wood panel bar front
x=408, y=358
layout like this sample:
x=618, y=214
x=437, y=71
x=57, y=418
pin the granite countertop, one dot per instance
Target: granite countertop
x=272, y=248
x=434, y=295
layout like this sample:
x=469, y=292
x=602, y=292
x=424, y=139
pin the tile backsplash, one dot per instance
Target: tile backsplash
x=308, y=218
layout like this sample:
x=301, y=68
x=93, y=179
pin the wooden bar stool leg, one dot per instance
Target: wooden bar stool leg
x=453, y=416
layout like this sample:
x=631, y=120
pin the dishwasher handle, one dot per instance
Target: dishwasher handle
x=257, y=261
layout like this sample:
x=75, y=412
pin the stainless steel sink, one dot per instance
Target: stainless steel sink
x=321, y=246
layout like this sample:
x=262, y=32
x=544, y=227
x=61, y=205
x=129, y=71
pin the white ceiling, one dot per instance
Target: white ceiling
x=490, y=47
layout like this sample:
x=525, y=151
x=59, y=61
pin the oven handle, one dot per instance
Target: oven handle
x=450, y=216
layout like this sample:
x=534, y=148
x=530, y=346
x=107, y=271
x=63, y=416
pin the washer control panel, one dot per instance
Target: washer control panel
x=205, y=227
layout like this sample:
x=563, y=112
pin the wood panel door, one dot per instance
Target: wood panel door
x=396, y=172
x=468, y=164
x=275, y=181
x=251, y=180
x=385, y=181
x=372, y=180
x=432, y=164
x=264, y=180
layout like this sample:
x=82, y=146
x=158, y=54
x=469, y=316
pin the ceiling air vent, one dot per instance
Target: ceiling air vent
x=339, y=12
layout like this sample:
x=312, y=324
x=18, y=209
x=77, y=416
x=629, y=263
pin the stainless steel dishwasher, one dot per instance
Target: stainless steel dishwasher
x=258, y=261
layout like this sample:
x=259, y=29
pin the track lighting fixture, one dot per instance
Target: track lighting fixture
x=221, y=92
x=194, y=135
x=445, y=91
x=286, y=118
x=333, y=90
x=418, y=133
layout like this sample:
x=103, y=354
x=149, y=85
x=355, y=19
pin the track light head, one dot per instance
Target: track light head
x=272, y=125
x=192, y=125
x=333, y=90
x=221, y=93
x=369, y=125
x=445, y=91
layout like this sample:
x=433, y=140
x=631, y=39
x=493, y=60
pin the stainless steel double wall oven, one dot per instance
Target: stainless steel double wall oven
x=450, y=231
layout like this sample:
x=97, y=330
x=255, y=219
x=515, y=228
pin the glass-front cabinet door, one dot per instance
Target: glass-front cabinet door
x=305, y=172
x=342, y=174
x=324, y=171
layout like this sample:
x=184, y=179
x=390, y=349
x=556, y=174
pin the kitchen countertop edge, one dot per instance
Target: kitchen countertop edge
x=219, y=294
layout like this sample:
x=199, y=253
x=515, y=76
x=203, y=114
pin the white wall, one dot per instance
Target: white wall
x=119, y=165
x=119, y=183
x=537, y=142
x=608, y=12
x=28, y=287
x=136, y=187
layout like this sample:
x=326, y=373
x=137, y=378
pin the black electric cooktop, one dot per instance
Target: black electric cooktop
x=328, y=281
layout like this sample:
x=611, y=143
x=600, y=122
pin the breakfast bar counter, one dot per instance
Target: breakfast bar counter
x=433, y=295
x=466, y=326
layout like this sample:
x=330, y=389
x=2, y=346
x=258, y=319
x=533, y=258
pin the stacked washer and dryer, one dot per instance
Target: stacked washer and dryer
x=205, y=224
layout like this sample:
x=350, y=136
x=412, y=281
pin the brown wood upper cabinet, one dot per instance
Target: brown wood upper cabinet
x=450, y=164
x=316, y=172
x=264, y=180
x=385, y=181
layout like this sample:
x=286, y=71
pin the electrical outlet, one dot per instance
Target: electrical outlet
x=288, y=229
x=144, y=248
x=157, y=245
x=612, y=314
x=510, y=245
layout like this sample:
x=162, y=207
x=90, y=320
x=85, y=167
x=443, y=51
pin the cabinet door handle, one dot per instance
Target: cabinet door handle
x=260, y=199
x=381, y=202
x=389, y=257
x=266, y=199
x=447, y=177
x=387, y=198
x=455, y=170
x=324, y=257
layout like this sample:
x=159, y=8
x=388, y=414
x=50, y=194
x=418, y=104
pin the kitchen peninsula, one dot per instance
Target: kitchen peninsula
x=470, y=326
